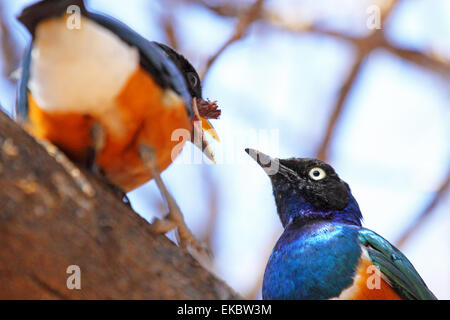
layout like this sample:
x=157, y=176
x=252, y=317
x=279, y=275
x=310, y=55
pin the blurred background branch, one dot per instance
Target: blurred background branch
x=250, y=15
x=120, y=257
x=168, y=22
x=429, y=209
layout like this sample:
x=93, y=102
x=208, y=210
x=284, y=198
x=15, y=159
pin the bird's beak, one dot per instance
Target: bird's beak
x=271, y=166
x=205, y=110
x=206, y=126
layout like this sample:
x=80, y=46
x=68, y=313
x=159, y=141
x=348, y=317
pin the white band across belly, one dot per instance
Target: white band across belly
x=79, y=70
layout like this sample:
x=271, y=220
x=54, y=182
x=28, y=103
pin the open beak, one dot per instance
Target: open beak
x=203, y=111
x=206, y=149
x=207, y=127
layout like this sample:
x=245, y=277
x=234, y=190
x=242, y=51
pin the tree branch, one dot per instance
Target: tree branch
x=243, y=24
x=48, y=222
x=322, y=152
x=435, y=63
x=427, y=211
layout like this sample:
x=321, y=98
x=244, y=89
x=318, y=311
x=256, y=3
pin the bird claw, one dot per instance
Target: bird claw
x=174, y=218
x=184, y=236
x=162, y=225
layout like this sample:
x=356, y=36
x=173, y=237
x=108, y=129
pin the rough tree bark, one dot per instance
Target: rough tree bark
x=47, y=223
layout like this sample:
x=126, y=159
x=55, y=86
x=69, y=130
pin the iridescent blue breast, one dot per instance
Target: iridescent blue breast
x=315, y=261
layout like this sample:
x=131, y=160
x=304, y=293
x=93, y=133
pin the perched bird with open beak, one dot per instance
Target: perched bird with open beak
x=324, y=252
x=108, y=98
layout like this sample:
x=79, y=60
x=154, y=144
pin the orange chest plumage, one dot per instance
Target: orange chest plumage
x=369, y=284
x=143, y=113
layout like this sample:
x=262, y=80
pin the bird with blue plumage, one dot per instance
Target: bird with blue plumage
x=324, y=252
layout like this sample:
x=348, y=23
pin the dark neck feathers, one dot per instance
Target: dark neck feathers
x=293, y=208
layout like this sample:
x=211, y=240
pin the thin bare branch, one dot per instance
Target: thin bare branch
x=388, y=9
x=241, y=28
x=213, y=208
x=253, y=292
x=365, y=46
x=224, y=9
x=432, y=62
x=168, y=25
x=322, y=152
x=256, y=289
x=435, y=63
x=426, y=212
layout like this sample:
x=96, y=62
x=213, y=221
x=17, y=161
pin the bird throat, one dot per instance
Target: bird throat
x=292, y=207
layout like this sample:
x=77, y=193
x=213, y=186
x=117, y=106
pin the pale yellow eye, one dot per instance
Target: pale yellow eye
x=317, y=173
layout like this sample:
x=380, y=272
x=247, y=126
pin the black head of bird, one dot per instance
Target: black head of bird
x=308, y=189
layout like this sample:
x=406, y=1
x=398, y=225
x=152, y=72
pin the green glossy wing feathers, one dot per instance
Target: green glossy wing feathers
x=395, y=266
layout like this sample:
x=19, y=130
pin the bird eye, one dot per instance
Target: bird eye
x=192, y=78
x=317, y=173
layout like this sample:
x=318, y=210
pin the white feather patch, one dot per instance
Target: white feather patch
x=79, y=70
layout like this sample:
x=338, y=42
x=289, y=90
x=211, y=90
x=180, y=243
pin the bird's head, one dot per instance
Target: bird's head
x=308, y=189
x=187, y=70
x=204, y=109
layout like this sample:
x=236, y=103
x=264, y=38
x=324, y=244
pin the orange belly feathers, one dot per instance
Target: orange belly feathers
x=144, y=114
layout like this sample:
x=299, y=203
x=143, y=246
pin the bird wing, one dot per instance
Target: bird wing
x=153, y=58
x=400, y=273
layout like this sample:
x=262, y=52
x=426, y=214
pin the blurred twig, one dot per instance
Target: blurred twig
x=224, y=9
x=213, y=208
x=241, y=28
x=364, y=46
x=429, y=61
x=167, y=22
x=339, y=106
x=257, y=286
x=427, y=211
x=433, y=62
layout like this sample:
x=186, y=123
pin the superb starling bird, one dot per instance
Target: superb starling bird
x=109, y=98
x=324, y=252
